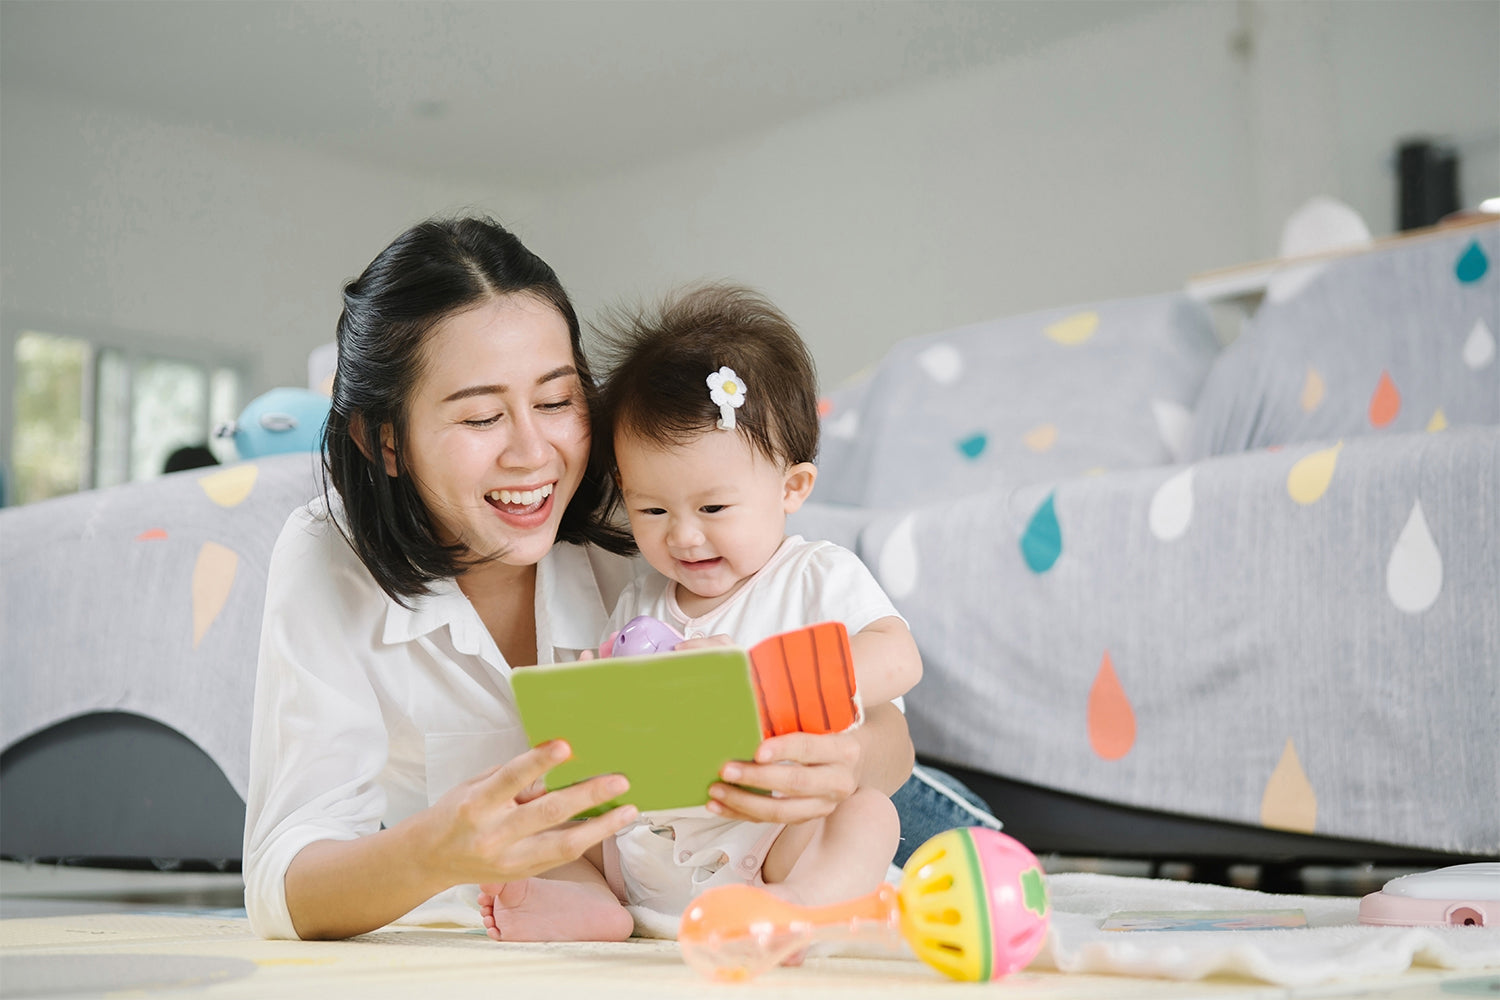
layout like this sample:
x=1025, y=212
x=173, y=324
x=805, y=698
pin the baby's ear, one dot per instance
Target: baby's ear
x=798, y=485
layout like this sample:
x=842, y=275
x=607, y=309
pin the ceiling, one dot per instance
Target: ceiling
x=536, y=92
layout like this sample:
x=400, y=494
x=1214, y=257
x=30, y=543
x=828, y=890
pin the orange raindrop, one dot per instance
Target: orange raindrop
x=1386, y=402
x=1041, y=437
x=1111, y=719
x=1312, y=391
x=151, y=535
x=825, y=406
x=1289, y=802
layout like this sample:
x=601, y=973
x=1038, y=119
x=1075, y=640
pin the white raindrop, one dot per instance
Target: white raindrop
x=1175, y=425
x=898, y=559
x=942, y=362
x=1414, y=575
x=1479, y=347
x=1172, y=507
x=843, y=426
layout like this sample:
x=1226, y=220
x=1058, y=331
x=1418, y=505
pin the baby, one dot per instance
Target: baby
x=709, y=418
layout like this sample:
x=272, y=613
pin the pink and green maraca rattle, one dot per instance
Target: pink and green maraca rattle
x=972, y=904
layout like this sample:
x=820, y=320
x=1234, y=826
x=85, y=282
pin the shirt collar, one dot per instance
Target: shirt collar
x=445, y=604
x=570, y=610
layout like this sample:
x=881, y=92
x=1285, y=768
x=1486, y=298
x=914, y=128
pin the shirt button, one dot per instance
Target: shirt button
x=747, y=864
x=683, y=857
x=693, y=633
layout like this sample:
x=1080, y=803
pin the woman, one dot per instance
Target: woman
x=462, y=535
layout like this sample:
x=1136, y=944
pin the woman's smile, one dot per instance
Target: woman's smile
x=522, y=508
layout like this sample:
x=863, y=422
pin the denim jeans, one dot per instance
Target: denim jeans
x=932, y=801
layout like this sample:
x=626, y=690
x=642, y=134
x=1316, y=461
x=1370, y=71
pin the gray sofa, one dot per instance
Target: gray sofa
x=1257, y=586
x=1172, y=600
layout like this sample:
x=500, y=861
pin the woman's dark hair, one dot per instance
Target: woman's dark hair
x=430, y=272
x=659, y=362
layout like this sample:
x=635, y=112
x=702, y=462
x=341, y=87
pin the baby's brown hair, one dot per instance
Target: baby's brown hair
x=658, y=363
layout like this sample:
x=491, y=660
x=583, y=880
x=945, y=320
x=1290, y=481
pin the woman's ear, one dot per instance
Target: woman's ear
x=387, y=443
x=799, y=483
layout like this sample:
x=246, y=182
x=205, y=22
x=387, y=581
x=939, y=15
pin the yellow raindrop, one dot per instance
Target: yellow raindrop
x=1074, y=329
x=231, y=486
x=213, y=576
x=1041, y=437
x=1312, y=390
x=1289, y=802
x=1439, y=421
x=1309, y=478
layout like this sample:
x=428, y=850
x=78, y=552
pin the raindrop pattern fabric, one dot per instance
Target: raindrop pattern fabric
x=1383, y=340
x=178, y=641
x=1211, y=637
x=1019, y=401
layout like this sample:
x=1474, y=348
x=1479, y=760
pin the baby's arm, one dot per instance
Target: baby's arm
x=886, y=661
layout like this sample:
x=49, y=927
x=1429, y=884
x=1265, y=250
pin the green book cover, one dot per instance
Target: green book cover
x=667, y=721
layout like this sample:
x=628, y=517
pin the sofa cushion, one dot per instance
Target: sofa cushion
x=1400, y=338
x=1024, y=399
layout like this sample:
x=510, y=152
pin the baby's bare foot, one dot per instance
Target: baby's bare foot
x=501, y=896
x=538, y=909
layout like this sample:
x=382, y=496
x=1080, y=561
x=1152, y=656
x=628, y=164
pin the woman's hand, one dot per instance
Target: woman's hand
x=503, y=826
x=498, y=827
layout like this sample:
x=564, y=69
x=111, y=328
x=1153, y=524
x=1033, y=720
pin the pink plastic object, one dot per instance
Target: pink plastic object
x=1460, y=895
x=972, y=904
x=644, y=634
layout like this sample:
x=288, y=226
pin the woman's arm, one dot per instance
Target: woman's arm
x=886, y=661
x=317, y=862
x=484, y=830
x=877, y=755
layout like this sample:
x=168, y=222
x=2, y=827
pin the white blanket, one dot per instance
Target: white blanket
x=1333, y=945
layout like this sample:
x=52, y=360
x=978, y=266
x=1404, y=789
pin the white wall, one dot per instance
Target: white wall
x=1110, y=164
x=1415, y=69
x=1107, y=165
x=1336, y=86
x=119, y=227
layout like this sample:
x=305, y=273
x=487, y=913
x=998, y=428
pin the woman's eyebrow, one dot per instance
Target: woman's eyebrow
x=562, y=371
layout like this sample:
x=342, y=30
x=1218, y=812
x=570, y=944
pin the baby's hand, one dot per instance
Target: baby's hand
x=705, y=642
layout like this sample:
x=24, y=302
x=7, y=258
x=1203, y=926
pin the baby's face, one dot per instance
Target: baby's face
x=707, y=514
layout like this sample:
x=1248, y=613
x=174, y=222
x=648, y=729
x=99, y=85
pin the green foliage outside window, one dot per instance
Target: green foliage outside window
x=51, y=432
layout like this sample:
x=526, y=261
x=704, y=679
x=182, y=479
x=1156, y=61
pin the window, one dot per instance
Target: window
x=88, y=415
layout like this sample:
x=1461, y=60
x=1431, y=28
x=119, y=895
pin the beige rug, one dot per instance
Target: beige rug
x=217, y=957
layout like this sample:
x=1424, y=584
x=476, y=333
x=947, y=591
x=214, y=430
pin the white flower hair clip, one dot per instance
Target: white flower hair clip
x=727, y=390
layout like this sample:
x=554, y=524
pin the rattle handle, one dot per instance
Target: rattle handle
x=879, y=907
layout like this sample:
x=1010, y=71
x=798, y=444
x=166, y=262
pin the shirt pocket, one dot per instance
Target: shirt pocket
x=453, y=758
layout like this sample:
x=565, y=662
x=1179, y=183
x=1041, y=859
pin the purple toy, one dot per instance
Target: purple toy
x=642, y=634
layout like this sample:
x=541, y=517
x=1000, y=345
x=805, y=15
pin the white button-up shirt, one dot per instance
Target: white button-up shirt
x=366, y=712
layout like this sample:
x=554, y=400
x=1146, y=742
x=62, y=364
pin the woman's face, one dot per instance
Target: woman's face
x=498, y=429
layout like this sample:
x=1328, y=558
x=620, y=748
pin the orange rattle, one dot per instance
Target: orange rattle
x=972, y=904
